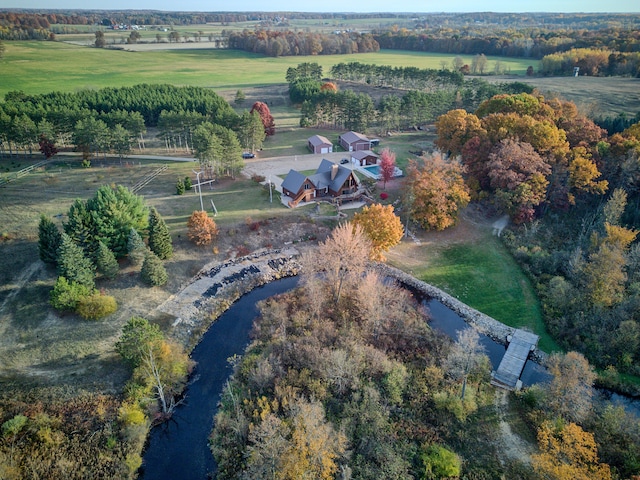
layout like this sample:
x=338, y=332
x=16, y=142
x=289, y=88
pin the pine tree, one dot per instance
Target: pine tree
x=49, y=240
x=73, y=264
x=153, y=271
x=136, y=247
x=80, y=228
x=114, y=211
x=159, y=238
x=106, y=261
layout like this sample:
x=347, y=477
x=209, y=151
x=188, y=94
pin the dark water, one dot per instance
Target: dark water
x=449, y=322
x=178, y=449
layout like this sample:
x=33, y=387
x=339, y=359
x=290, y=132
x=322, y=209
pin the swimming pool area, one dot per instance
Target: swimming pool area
x=373, y=171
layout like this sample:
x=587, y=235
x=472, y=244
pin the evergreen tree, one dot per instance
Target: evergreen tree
x=180, y=187
x=49, y=239
x=80, y=229
x=159, y=237
x=136, y=247
x=73, y=264
x=153, y=271
x=106, y=261
x=66, y=295
x=114, y=211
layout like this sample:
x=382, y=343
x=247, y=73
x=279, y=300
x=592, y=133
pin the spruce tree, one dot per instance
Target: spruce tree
x=106, y=261
x=159, y=237
x=49, y=240
x=136, y=247
x=153, y=271
x=73, y=264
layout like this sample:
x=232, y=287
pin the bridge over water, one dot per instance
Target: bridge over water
x=521, y=343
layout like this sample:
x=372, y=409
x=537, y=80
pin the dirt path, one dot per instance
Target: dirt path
x=511, y=446
x=20, y=282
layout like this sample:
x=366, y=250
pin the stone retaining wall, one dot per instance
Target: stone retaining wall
x=217, y=285
x=485, y=324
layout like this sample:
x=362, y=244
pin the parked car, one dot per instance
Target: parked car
x=248, y=155
x=344, y=160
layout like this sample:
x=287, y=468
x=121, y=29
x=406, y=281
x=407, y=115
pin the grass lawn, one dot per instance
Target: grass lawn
x=473, y=266
x=41, y=67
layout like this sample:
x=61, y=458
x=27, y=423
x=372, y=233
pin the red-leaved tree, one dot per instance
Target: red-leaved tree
x=47, y=147
x=265, y=116
x=387, y=165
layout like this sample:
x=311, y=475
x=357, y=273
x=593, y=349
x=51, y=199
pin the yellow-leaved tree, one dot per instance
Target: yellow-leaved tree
x=438, y=192
x=568, y=453
x=382, y=226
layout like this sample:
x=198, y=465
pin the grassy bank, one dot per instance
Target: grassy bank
x=473, y=266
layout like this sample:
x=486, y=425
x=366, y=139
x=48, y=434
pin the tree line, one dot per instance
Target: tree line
x=533, y=42
x=112, y=120
x=278, y=43
x=591, y=61
x=410, y=78
x=574, y=190
x=440, y=91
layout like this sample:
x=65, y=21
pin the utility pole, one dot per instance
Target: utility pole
x=199, y=188
x=270, y=194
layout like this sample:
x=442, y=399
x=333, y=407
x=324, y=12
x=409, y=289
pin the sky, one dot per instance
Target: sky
x=417, y=6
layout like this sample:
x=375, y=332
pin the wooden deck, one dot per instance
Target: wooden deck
x=508, y=374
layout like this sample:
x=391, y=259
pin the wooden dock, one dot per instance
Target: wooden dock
x=521, y=343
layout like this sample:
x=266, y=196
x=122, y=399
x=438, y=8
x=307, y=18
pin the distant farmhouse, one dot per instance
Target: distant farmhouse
x=330, y=180
x=319, y=144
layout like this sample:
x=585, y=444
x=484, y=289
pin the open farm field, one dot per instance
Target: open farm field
x=41, y=67
x=594, y=96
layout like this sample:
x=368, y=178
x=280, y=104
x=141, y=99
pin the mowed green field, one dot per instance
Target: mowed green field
x=42, y=67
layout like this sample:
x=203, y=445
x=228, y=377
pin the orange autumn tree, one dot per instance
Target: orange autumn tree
x=382, y=226
x=438, y=192
x=568, y=452
x=202, y=229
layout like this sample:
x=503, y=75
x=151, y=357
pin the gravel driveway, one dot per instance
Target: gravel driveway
x=275, y=166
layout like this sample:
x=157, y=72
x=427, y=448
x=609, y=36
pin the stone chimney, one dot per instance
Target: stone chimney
x=334, y=171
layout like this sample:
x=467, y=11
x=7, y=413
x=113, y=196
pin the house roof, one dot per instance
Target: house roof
x=319, y=140
x=360, y=154
x=351, y=137
x=293, y=181
x=322, y=177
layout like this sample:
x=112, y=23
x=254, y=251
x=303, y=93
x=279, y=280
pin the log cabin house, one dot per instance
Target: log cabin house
x=330, y=180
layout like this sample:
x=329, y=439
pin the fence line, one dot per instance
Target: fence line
x=147, y=179
x=22, y=173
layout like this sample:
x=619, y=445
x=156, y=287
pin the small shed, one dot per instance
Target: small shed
x=353, y=142
x=362, y=158
x=319, y=144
